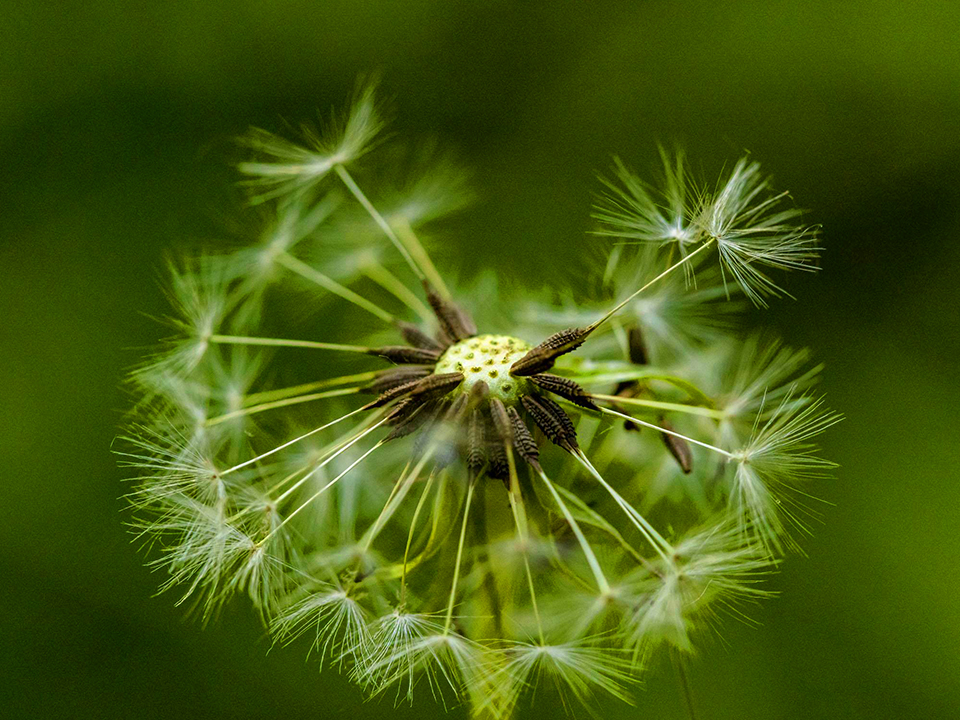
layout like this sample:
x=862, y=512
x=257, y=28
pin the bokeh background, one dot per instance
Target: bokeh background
x=116, y=119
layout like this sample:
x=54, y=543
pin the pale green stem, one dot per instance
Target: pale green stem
x=378, y=219
x=613, y=259
x=262, y=407
x=278, y=342
x=601, y=579
x=680, y=664
x=645, y=374
x=456, y=571
x=328, y=283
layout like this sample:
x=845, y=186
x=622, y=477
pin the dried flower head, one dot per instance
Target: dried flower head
x=469, y=507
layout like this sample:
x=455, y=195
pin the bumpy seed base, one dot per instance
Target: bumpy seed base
x=487, y=358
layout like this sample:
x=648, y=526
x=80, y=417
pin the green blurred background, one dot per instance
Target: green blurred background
x=116, y=121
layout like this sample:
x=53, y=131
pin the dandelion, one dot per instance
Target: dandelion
x=546, y=495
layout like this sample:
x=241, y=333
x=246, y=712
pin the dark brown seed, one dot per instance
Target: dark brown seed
x=402, y=410
x=466, y=321
x=412, y=421
x=535, y=361
x=499, y=468
x=437, y=384
x=636, y=348
x=417, y=337
x=678, y=447
x=554, y=422
x=478, y=394
x=403, y=355
x=501, y=420
x=389, y=379
x=523, y=440
x=454, y=322
x=637, y=352
x=429, y=386
x=476, y=457
x=542, y=357
x=565, y=388
x=395, y=393
x=456, y=409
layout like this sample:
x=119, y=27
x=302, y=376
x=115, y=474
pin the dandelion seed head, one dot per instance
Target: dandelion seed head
x=436, y=505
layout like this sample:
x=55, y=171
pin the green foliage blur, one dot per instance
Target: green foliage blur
x=116, y=127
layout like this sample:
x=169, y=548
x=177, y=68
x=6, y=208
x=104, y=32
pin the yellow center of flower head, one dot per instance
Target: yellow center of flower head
x=487, y=358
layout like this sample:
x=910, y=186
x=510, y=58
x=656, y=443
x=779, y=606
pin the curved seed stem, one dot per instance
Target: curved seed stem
x=520, y=519
x=326, y=461
x=281, y=393
x=413, y=527
x=646, y=374
x=318, y=493
x=659, y=543
x=680, y=664
x=397, y=495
